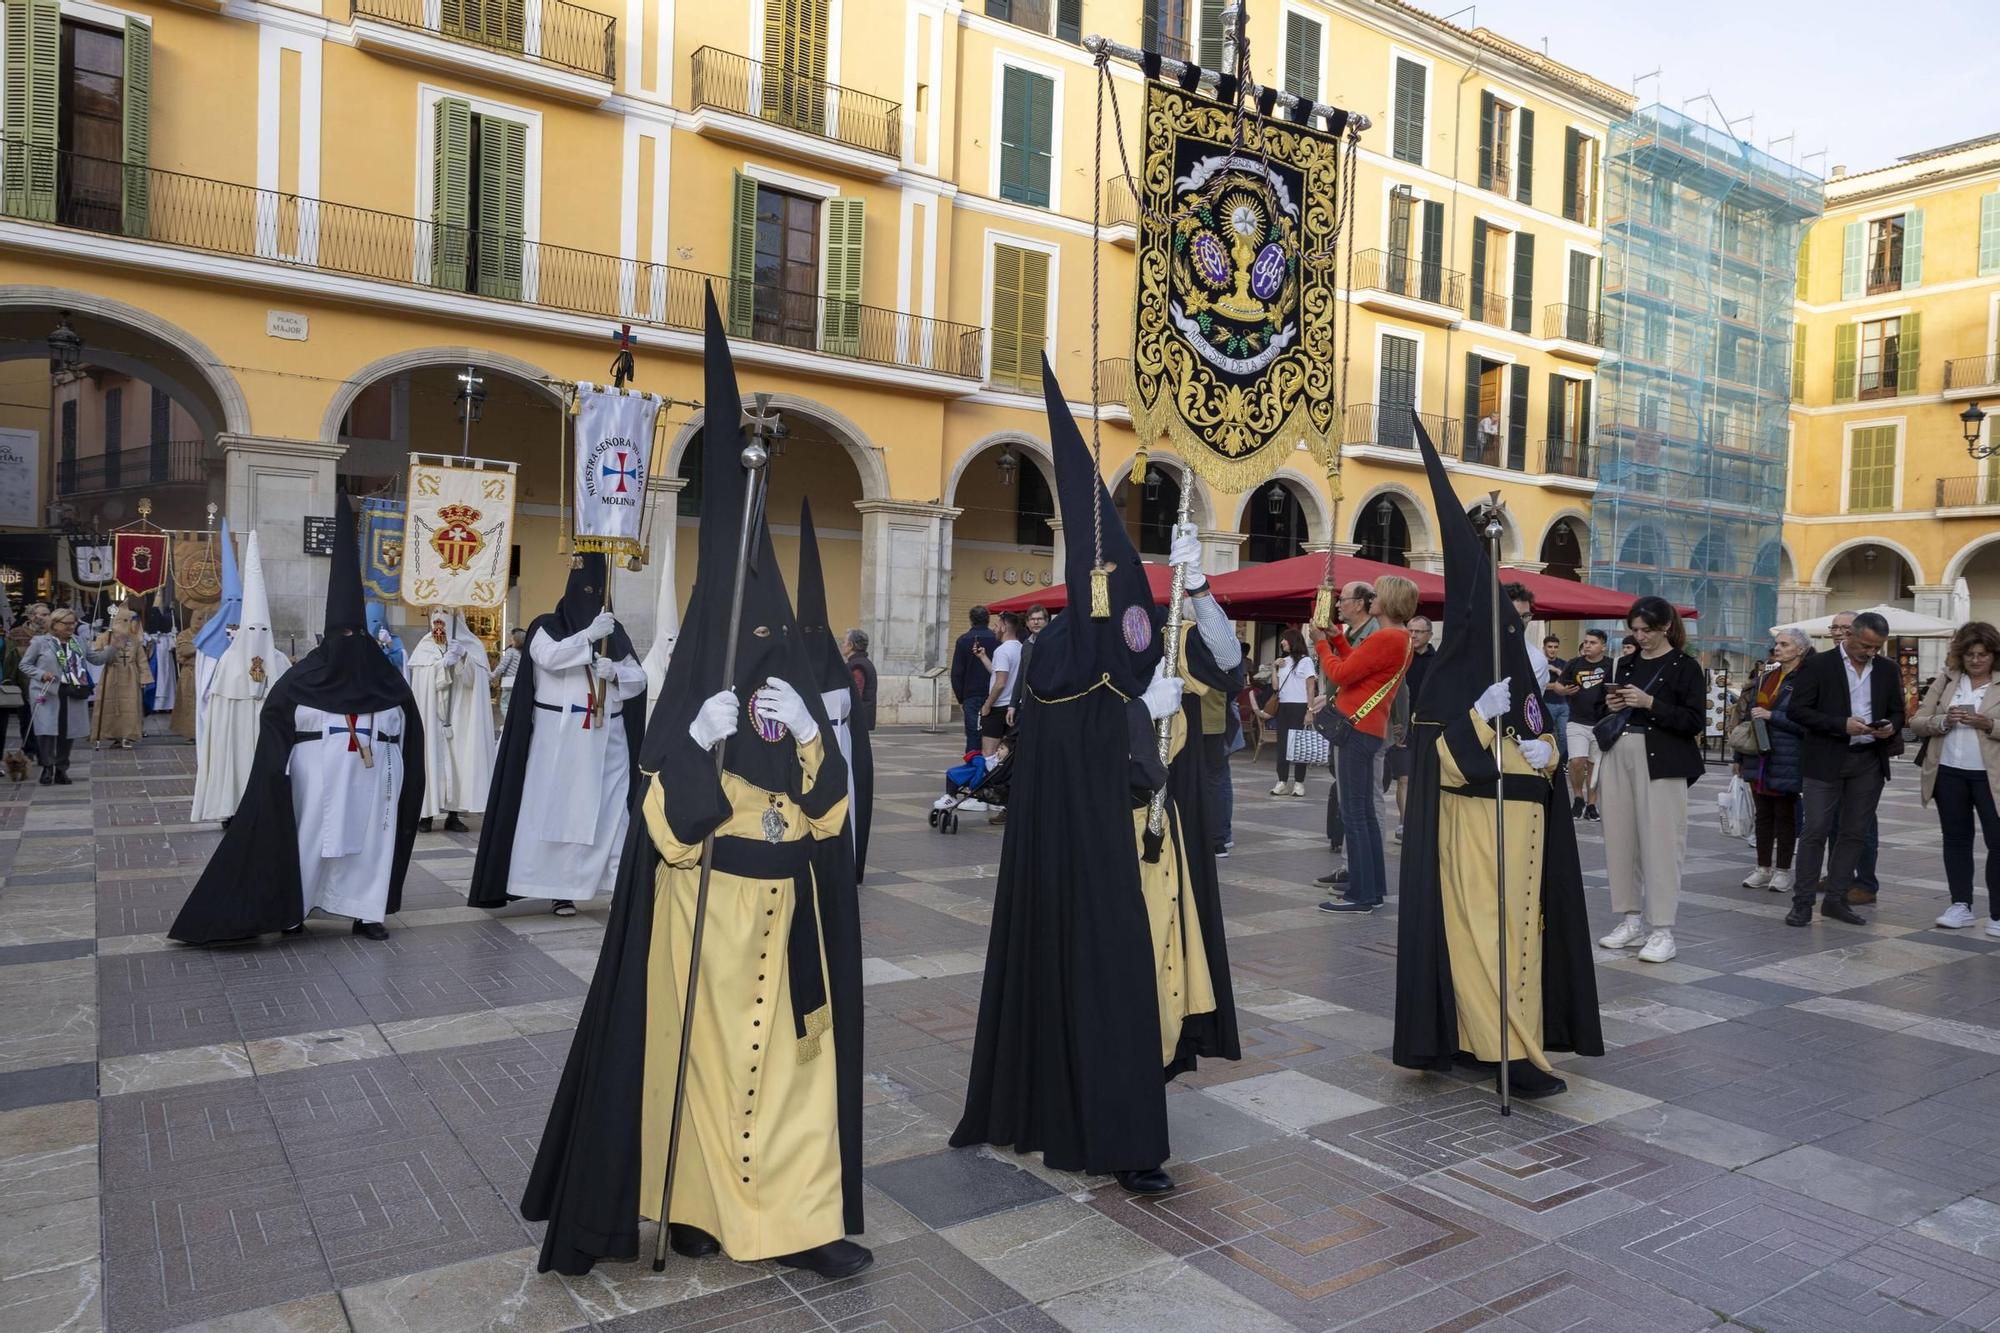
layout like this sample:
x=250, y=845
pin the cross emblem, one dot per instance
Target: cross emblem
x=622, y=471
x=354, y=733
x=588, y=708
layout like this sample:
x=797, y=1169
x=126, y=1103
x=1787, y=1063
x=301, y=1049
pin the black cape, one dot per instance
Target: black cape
x=585, y=1182
x=1426, y=1025
x=492, y=869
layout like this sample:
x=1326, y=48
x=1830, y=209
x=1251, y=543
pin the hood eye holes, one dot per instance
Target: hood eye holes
x=762, y=631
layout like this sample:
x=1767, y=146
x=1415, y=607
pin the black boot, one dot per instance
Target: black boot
x=692, y=1242
x=1154, y=1181
x=452, y=823
x=371, y=930
x=834, y=1260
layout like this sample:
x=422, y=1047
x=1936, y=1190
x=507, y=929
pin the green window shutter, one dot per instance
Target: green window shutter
x=1301, y=56
x=1034, y=317
x=1852, y=238
x=743, y=257
x=841, y=333
x=1582, y=425
x=1069, y=20
x=1909, y=352
x=1013, y=132
x=1805, y=258
x=1005, y=368
x=1556, y=432
x=1408, y=141
x=1469, y=431
x=1524, y=282
x=1040, y=145
x=33, y=68
x=1572, y=163
x=1478, y=303
x=138, y=124
x=1989, y=233
x=1208, y=51
x=1913, y=248
x=502, y=206
x=1517, y=418
x=1430, y=279
x=451, y=192
x=1486, y=141
x=1871, y=469
x=1524, y=169
x=1798, y=363
x=1845, y=341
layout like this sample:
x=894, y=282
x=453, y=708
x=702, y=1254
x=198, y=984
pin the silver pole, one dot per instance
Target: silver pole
x=758, y=425
x=1493, y=531
x=1156, y=814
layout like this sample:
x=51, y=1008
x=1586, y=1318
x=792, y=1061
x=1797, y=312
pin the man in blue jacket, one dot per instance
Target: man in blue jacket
x=971, y=674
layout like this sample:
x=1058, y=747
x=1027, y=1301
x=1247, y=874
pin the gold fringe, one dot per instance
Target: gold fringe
x=1100, y=593
x=818, y=1023
x=607, y=545
x=1246, y=472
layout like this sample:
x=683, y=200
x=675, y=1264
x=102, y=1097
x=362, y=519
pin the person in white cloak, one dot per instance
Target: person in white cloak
x=450, y=677
x=211, y=641
x=226, y=729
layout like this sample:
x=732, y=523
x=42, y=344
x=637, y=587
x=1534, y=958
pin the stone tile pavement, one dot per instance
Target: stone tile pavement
x=1792, y=1131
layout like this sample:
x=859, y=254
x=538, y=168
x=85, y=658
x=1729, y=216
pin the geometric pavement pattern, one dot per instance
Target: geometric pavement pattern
x=1791, y=1129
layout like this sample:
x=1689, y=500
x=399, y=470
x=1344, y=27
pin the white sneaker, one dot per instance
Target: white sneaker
x=1993, y=928
x=1630, y=931
x=1782, y=882
x=1760, y=878
x=1281, y=789
x=1956, y=917
x=1659, y=947
x=1298, y=789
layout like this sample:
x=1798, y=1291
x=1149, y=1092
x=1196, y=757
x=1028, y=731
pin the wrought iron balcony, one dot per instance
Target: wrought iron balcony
x=220, y=217
x=1568, y=458
x=731, y=82
x=1574, y=323
x=165, y=463
x=1967, y=373
x=1968, y=492
x=548, y=32
x=1406, y=275
x=1493, y=307
x=1393, y=426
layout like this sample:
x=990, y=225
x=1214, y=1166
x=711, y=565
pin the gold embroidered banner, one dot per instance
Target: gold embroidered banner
x=1233, y=348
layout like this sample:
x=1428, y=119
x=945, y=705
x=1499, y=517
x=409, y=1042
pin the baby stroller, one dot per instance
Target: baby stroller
x=974, y=785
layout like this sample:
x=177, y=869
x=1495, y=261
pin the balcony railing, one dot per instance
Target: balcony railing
x=1051, y=18
x=1392, y=425
x=1574, y=323
x=730, y=82
x=162, y=464
x=1971, y=372
x=1568, y=458
x=1492, y=307
x=549, y=32
x=219, y=217
x=1965, y=492
x=1405, y=275
x=1121, y=208
x=1885, y=277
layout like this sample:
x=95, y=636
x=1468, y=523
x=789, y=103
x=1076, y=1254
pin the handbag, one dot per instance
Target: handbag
x=1612, y=725
x=1309, y=746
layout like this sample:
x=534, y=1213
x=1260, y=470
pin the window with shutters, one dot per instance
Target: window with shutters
x=1302, y=38
x=794, y=73
x=1407, y=137
x=1876, y=361
x=1580, y=163
x=479, y=201
x=785, y=269
x=1208, y=48
x=1061, y=19
x=75, y=144
x=1027, y=136
x=1496, y=150
x=1396, y=392
x=92, y=127
x=1492, y=273
x=1798, y=363
x=1989, y=233
x=1871, y=469
x=501, y=24
x=1020, y=317
x=1885, y=254
x=1163, y=27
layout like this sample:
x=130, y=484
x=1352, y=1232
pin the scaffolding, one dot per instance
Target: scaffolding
x=1701, y=239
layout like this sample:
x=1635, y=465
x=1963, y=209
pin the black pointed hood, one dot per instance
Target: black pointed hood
x=347, y=672
x=1463, y=667
x=583, y=597
x=822, y=644
x=768, y=641
x=1076, y=652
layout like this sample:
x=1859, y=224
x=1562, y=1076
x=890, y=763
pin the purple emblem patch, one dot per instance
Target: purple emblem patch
x=769, y=729
x=1138, y=628
x=1531, y=708
x=1268, y=273
x=1210, y=259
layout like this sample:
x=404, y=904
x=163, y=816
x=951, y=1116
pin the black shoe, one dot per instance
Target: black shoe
x=1361, y=909
x=452, y=823
x=692, y=1242
x=424, y=824
x=1527, y=1082
x=1590, y=813
x=62, y=777
x=373, y=930
x=1801, y=913
x=1155, y=1181
x=1576, y=808
x=1328, y=881
x=299, y=929
x=834, y=1260
x=47, y=779
x=1834, y=909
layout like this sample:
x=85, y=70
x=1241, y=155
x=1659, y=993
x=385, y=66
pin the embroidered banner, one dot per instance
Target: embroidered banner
x=457, y=534
x=197, y=565
x=614, y=450
x=90, y=561
x=140, y=560
x=382, y=548
x=1233, y=351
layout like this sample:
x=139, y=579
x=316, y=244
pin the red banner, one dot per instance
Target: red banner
x=140, y=560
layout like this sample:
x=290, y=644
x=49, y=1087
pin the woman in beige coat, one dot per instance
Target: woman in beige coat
x=120, y=715
x=1958, y=725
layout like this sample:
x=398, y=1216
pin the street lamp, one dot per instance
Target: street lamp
x=65, y=353
x=1973, y=417
x=1152, y=483
x=1274, y=500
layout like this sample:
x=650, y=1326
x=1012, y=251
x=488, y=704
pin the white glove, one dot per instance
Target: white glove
x=454, y=654
x=1186, y=550
x=779, y=702
x=1497, y=699
x=601, y=627
x=1163, y=696
x=715, y=721
x=1538, y=752
x=604, y=669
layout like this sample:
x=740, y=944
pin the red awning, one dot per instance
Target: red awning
x=1565, y=599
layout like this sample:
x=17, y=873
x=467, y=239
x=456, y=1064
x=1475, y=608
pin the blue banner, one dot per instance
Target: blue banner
x=382, y=548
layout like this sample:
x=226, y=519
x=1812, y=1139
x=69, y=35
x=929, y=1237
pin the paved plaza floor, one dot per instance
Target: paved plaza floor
x=1793, y=1130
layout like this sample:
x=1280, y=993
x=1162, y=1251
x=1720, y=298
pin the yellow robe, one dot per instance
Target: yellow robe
x=1180, y=961
x=1471, y=909
x=759, y=1165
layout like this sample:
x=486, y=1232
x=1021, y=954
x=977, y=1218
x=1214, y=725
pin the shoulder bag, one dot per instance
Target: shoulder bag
x=1612, y=725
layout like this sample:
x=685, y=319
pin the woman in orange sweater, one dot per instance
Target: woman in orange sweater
x=1366, y=677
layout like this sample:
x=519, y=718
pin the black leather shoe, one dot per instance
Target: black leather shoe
x=373, y=930
x=692, y=1242
x=1801, y=913
x=1155, y=1181
x=1834, y=909
x=1335, y=877
x=1529, y=1083
x=452, y=823
x=62, y=777
x=299, y=929
x=424, y=824
x=834, y=1260
x=47, y=779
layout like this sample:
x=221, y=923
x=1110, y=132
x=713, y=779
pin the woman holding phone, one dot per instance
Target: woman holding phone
x=1961, y=766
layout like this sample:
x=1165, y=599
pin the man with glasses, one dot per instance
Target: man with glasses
x=1850, y=703
x=1866, y=882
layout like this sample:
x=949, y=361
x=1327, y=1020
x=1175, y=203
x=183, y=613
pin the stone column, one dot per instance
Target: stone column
x=1808, y=600
x=1792, y=600
x=1056, y=559
x=274, y=485
x=635, y=593
x=1222, y=552
x=1528, y=566
x=905, y=600
x=1430, y=562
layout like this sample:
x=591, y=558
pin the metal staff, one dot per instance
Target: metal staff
x=1493, y=531
x=759, y=424
x=1156, y=815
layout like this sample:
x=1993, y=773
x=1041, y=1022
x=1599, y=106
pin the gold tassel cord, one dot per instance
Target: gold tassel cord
x=1100, y=593
x=1323, y=607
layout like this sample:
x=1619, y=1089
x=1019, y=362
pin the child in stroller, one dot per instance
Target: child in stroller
x=977, y=784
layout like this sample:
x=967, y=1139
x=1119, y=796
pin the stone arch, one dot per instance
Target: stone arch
x=1955, y=570
x=231, y=410
x=866, y=457
x=1577, y=521
x=418, y=358
x=1415, y=513
x=1201, y=511
x=1510, y=537
x=1037, y=451
x=1824, y=570
x=1645, y=545
x=1319, y=519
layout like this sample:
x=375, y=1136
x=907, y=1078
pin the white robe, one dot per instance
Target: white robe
x=204, y=676
x=166, y=674
x=456, y=706
x=572, y=818
x=346, y=811
x=225, y=743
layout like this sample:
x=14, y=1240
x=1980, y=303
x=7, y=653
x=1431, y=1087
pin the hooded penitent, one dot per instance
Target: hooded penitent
x=452, y=684
x=600, y=1163
x=212, y=639
x=226, y=745
x=1067, y=1057
x=1448, y=884
x=252, y=663
x=834, y=682
x=253, y=883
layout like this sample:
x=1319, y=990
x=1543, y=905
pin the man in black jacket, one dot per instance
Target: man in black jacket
x=970, y=676
x=1850, y=702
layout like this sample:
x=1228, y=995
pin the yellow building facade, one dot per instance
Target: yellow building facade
x=325, y=232
x=1898, y=329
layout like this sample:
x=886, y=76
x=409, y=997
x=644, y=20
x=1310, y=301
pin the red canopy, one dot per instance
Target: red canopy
x=1056, y=596
x=1565, y=599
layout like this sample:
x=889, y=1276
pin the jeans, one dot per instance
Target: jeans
x=971, y=705
x=1847, y=799
x=1871, y=847
x=1558, y=722
x=1367, y=874
x=1218, y=795
x=1961, y=794
x=1777, y=828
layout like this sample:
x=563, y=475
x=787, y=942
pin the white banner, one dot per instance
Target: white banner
x=457, y=532
x=614, y=450
x=20, y=473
